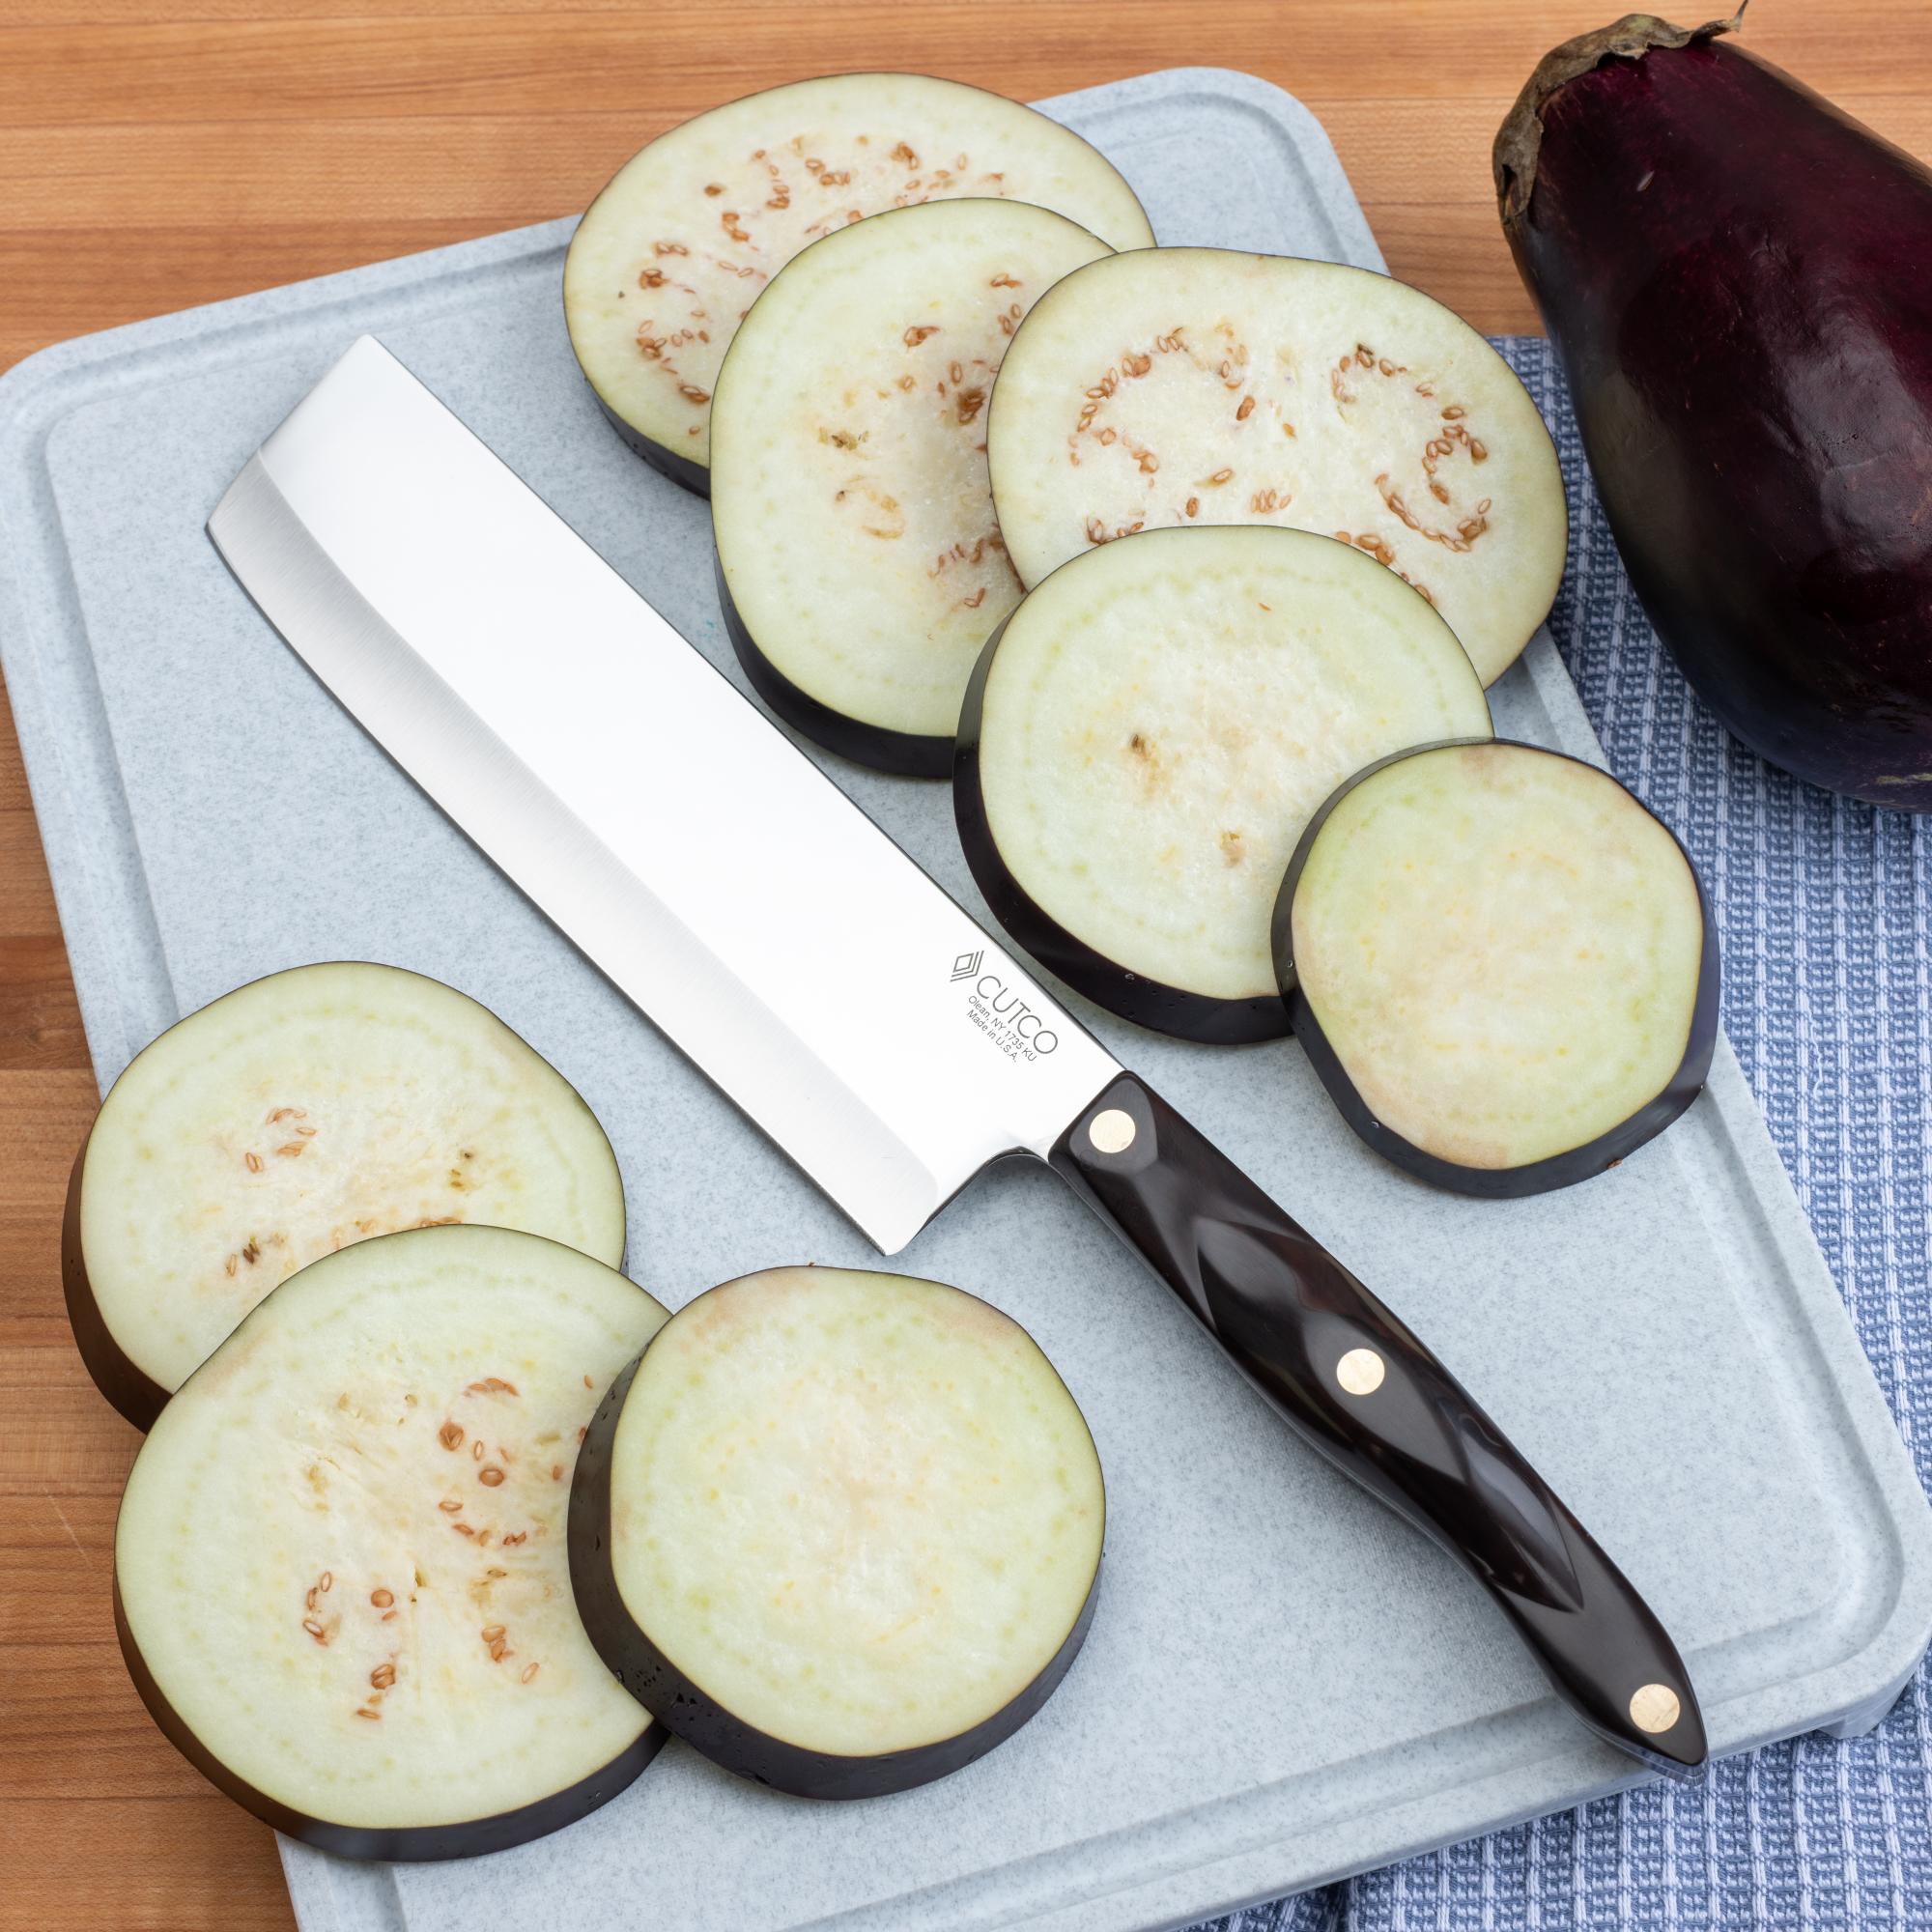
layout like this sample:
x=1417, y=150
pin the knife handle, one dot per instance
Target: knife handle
x=1360, y=1387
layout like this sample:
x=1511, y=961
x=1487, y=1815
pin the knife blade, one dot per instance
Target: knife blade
x=888, y=1042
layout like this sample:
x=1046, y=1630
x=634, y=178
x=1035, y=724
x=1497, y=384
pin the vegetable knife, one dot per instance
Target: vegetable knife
x=736, y=894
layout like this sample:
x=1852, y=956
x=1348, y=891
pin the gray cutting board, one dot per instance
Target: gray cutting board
x=1284, y=1683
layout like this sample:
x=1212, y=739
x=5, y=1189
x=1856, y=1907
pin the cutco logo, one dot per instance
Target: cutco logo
x=1001, y=1014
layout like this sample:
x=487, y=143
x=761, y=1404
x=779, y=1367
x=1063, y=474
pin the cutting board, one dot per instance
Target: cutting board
x=1284, y=1683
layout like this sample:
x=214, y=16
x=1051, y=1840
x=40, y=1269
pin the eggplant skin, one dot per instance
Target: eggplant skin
x=681, y=1705
x=1738, y=279
x=1536, y=1176
x=132, y=1390
x=903, y=753
x=1133, y=996
x=414, y=1844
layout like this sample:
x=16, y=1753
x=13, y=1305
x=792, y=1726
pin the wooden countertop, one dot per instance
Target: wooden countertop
x=145, y=167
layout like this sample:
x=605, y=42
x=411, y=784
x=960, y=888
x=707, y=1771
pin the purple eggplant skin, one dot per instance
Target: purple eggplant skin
x=1536, y=1176
x=1133, y=996
x=1737, y=279
x=682, y=1705
x=903, y=753
x=462, y=1838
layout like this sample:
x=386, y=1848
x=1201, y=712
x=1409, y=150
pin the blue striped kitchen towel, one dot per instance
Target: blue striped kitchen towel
x=1824, y=907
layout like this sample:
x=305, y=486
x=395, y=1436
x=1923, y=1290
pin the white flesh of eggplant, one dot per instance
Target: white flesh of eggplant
x=860, y=1510
x=671, y=254
x=309, y=1110
x=849, y=495
x=1164, y=717
x=1199, y=386
x=1502, y=947
x=341, y=1552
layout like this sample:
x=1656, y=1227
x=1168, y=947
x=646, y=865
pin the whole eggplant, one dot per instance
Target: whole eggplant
x=1737, y=279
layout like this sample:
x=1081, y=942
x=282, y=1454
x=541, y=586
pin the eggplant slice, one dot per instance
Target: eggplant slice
x=1502, y=967
x=1150, y=731
x=340, y=1569
x=290, y=1118
x=858, y=564
x=839, y=1530
x=1181, y=385
x=669, y=257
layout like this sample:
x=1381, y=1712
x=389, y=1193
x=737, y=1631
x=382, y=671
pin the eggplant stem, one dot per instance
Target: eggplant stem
x=1521, y=137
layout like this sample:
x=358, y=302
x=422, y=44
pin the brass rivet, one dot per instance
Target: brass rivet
x=1360, y=1372
x=1111, y=1130
x=1654, y=1708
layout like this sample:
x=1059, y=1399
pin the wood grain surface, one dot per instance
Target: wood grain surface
x=149, y=165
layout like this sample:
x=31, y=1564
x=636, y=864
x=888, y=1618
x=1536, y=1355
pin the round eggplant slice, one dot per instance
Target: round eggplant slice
x=340, y=1568
x=859, y=563
x=1183, y=386
x=1502, y=967
x=839, y=1530
x=1149, y=734
x=669, y=258
x=290, y=1118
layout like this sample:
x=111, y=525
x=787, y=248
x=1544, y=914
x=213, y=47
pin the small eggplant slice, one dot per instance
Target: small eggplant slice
x=1150, y=731
x=340, y=1569
x=1502, y=967
x=858, y=564
x=839, y=1530
x=667, y=260
x=1180, y=385
x=290, y=1118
